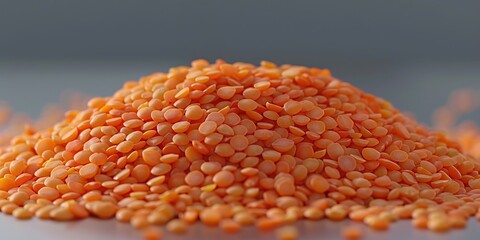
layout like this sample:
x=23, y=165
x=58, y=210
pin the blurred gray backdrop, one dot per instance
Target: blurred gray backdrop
x=413, y=53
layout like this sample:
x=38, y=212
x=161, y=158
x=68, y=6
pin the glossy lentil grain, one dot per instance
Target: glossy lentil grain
x=370, y=154
x=226, y=92
x=21, y=213
x=207, y=127
x=347, y=163
x=223, y=178
x=48, y=193
x=247, y=105
x=195, y=178
x=88, y=171
x=61, y=214
x=210, y=217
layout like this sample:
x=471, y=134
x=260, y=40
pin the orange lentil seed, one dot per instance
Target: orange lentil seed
x=152, y=234
x=21, y=213
x=177, y=226
x=352, y=233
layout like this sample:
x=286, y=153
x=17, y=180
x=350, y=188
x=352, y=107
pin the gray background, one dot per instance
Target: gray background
x=413, y=53
x=296, y=31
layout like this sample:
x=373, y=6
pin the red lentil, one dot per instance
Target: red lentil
x=21, y=213
x=152, y=234
x=352, y=233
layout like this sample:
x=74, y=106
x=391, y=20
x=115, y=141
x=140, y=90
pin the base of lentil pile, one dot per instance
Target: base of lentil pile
x=232, y=145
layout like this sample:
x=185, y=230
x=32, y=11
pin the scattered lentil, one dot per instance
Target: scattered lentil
x=352, y=233
x=287, y=233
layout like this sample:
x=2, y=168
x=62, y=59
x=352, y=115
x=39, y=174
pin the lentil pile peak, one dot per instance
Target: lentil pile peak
x=234, y=145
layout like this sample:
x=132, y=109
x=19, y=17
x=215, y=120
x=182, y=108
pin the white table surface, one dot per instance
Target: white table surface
x=93, y=229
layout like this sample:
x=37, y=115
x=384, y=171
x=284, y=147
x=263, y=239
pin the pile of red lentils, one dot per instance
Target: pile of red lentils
x=232, y=145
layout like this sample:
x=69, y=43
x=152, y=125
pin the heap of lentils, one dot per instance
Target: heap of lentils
x=232, y=145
